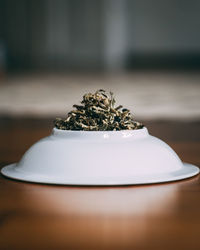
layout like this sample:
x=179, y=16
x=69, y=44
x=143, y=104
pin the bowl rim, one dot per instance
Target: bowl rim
x=99, y=131
x=119, y=134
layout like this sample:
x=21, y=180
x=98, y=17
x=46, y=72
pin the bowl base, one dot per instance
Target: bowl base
x=188, y=170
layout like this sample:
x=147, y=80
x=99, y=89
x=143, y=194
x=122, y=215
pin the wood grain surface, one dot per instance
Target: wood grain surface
x=161, y=216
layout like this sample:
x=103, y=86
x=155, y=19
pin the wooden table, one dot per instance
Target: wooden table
x=161, y=216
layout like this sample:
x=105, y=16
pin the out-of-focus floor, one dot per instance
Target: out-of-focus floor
x=149, y=94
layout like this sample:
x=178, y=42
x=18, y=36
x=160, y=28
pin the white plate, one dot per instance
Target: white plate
x=188, y=170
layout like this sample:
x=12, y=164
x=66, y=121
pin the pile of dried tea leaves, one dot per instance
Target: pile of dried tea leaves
x=98, y=113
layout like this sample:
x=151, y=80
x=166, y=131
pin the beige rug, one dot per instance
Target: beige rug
x=149, y=95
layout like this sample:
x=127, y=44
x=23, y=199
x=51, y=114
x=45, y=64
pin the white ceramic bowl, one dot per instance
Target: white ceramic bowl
x=100, y=158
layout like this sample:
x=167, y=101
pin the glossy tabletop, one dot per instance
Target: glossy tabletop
x=161, y=216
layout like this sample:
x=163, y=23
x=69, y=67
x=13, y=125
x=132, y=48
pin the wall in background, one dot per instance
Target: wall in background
x=98, y=34
x=164, y=26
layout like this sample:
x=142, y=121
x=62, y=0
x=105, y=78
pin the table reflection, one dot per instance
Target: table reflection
x=117, y=201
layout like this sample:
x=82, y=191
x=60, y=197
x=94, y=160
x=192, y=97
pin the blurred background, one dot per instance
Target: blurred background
x=146, y=52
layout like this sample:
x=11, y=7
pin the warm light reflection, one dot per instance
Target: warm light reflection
x=106, y=201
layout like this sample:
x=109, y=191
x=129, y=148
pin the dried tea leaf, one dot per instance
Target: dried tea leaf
x=98, y=113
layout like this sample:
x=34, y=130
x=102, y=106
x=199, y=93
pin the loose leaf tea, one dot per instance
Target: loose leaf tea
x=97, y=112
